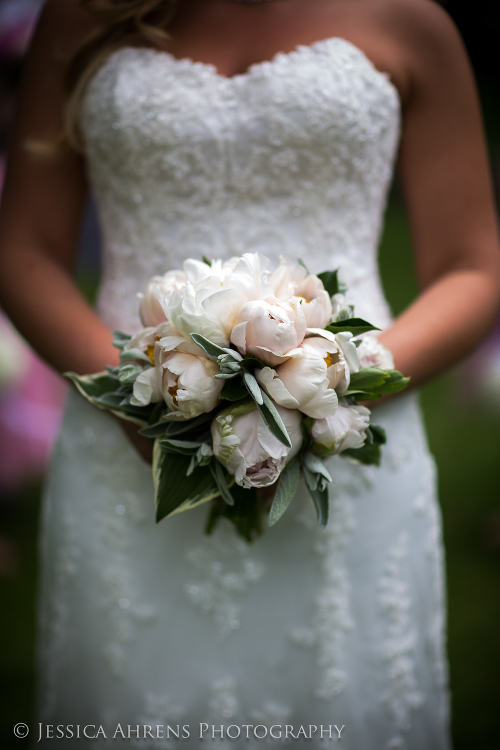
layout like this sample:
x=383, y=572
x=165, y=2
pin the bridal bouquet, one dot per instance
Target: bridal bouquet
x=246, y=378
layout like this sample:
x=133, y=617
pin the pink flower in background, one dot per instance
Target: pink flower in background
x=31, y=399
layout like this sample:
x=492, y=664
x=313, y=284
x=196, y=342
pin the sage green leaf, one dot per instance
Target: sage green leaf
x=356, y=326
x=101, y=390
x=330, y=281
x=250, y=363
x=253, y=388
x=210, y=349
x=321, y=503
x=225, y=375
x=202, y=457
x=186, y=447
x=135, y=354
x=285, y=491
x=174, y=491
x=120, y=339
x=273, y=421
x=93, y=386
x=233, y=390
x=245, y=406
x=129, y=373
x=316, y=466
x=217, y=472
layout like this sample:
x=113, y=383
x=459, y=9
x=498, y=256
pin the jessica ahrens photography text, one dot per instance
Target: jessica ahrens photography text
x=202, y=731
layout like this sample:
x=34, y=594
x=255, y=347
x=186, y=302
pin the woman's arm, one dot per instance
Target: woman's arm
x=446, y=181
x=42, y=209
x=41, y=214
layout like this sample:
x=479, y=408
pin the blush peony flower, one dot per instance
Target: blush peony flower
x=248, y=450
x=371, y=353
x=311, y=382
x=346, y=429
x=270, y=330
x=151, y=310
x=211, y=305
x=187, y=383
x=316, y=302
x=290, y=281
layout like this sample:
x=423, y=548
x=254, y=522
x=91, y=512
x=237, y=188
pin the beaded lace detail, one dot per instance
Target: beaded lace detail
x=284, y=158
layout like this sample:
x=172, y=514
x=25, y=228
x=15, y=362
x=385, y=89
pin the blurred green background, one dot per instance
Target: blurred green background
x=464, y=434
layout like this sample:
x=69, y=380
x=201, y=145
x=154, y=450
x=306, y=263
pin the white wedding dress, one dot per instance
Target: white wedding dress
x=145, y=624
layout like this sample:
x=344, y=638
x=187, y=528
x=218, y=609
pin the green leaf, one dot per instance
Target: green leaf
x=185, y=447
x=250, y=363
x=104, y=391
x=246, y=513
x=316, y=466
x=194, y=427
x=93, y=386
x=369, y=454
x=217, y=472
x=273, y=421
x=253, y=388
x=320, y=498
x=330, y=281
x=135, y=354
x=243, y=407
x=368, y=379
x=210, y=349
x=356, y=326
x=373, y=383
x=174, y=491
x=378, y=434
x=285, y=491
x=120, y=339
x=233, y=390
x=129, y=373
x=206, y=260
x=394, y=383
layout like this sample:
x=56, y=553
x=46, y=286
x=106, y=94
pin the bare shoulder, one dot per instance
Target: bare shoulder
x=426, y=35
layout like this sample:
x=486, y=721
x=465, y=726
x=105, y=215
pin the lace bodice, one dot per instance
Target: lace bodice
x=292, y=157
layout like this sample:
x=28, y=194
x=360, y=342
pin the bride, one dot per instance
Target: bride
x=218, y=127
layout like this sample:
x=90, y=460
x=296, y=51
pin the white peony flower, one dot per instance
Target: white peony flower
x=286, y=278
x=311, y=382
x=151, y=311
x=291, y=280
x=187, y=382
x=210, y=306
x=346, y=429
x=196, y=270
x=269, y=329
x=371, y=353
x=146, y=388
x=248, y=450
x=316, y=302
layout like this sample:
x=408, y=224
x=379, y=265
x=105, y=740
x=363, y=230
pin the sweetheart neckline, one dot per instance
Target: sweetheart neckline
x=262, y=64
